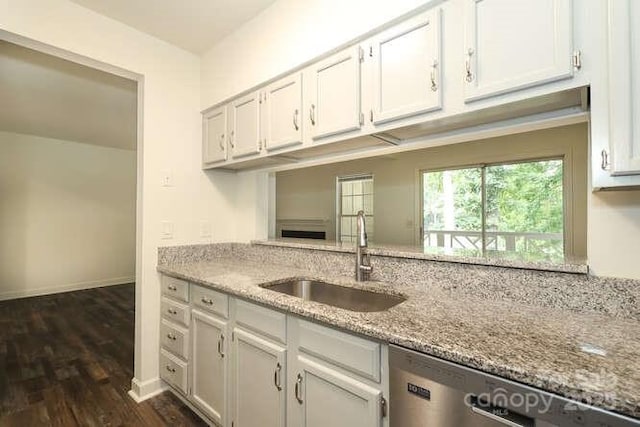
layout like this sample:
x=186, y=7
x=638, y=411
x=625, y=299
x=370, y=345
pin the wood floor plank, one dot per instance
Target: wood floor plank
x=66, y=360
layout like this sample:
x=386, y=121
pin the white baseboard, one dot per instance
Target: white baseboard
x=66, y=288
x=143, y=390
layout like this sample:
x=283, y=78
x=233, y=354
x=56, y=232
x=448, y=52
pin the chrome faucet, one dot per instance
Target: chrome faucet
x=363, y=259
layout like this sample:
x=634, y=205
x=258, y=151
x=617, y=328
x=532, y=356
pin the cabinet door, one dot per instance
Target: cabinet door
x=326, y=397
x=209, y=365
x=335, y=94
x=245, y=125
x=259, y=381
x=214, y=148
x=283, y=121
x=511, y=45
x=624, y=87
x=406, y=75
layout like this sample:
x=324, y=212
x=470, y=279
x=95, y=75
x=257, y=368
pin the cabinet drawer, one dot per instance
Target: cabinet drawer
x=175, y=311
x=268, y=322
x=173, y=371
x=175, y=288
x=347, y=351
x=175, y=339
x=210, y=300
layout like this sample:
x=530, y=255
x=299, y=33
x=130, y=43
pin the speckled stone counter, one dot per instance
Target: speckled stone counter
x=523, y=325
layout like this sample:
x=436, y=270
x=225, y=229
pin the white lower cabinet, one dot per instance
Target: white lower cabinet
x=326, y=397
x=209, y=365
x=246, y=365
x=259, y=381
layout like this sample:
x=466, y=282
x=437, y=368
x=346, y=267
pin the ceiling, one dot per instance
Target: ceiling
x=53, y=98
x=194, y=25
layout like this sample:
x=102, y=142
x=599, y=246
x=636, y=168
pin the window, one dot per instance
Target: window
x=496, y=209
x=354, y=193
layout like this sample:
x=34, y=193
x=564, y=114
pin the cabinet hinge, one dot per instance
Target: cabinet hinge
x=383, y=407
x=361, y=119
x=576, y=59
x=361, y=53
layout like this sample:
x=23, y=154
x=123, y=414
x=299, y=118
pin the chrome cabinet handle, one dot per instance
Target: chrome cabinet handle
x=233, y=145
x=172, y=288
x=434, y=68
x=221, y=143
x=170, y=369
x=207, y=301
x=312, y=114
x=298, y=389
x=605, y=160
x=469, y=75
x=172, y=337
x=277, y=377
x=220, y=345
x=295, y=119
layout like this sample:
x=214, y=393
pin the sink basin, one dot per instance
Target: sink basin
x=336, y=296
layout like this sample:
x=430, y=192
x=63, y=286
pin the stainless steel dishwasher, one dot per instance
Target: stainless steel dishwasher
x=430, y=392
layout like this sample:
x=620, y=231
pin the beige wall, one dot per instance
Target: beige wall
x=171, y=132
x=309, y=193
x=67, y=215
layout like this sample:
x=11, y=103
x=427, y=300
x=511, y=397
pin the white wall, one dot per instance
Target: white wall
x=171, y=141
x=291, y=32
x=67, y=215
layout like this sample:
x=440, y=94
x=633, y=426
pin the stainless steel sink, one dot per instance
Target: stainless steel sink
x=337, y=296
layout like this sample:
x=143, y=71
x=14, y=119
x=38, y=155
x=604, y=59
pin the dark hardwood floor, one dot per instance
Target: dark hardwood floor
x=67, y=360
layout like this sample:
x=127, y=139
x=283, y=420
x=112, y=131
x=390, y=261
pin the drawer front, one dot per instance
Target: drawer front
x=173, y=371
x=347, y=351
x=175, y=339
x=175, y=288
x=175, y=311
x=270, y=323
x=210, y=300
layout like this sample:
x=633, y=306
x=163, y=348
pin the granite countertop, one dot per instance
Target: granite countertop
x=459, y=256
x=589, y=357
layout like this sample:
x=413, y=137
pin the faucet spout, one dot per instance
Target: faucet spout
x=361, y=230
x=363, y=260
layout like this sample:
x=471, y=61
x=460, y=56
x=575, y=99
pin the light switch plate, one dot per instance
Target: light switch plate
x=166, y=178
x=166, y=230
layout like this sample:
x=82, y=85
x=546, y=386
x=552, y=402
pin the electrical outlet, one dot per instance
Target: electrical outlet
x=205, y=229
x=166, y=178
x=166, y=230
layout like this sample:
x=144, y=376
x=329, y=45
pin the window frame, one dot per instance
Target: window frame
x=339, y=180
x=567, y=196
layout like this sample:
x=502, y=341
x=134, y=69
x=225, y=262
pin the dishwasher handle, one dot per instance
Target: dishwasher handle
x=489, y=411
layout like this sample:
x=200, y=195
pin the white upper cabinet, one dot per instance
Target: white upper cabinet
x=214, y=136
x=407, y=68
x=334, y=94
x=282, y=123
x=244, y=134
x=515, y=44
x=624, y=87
x=259, y=378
